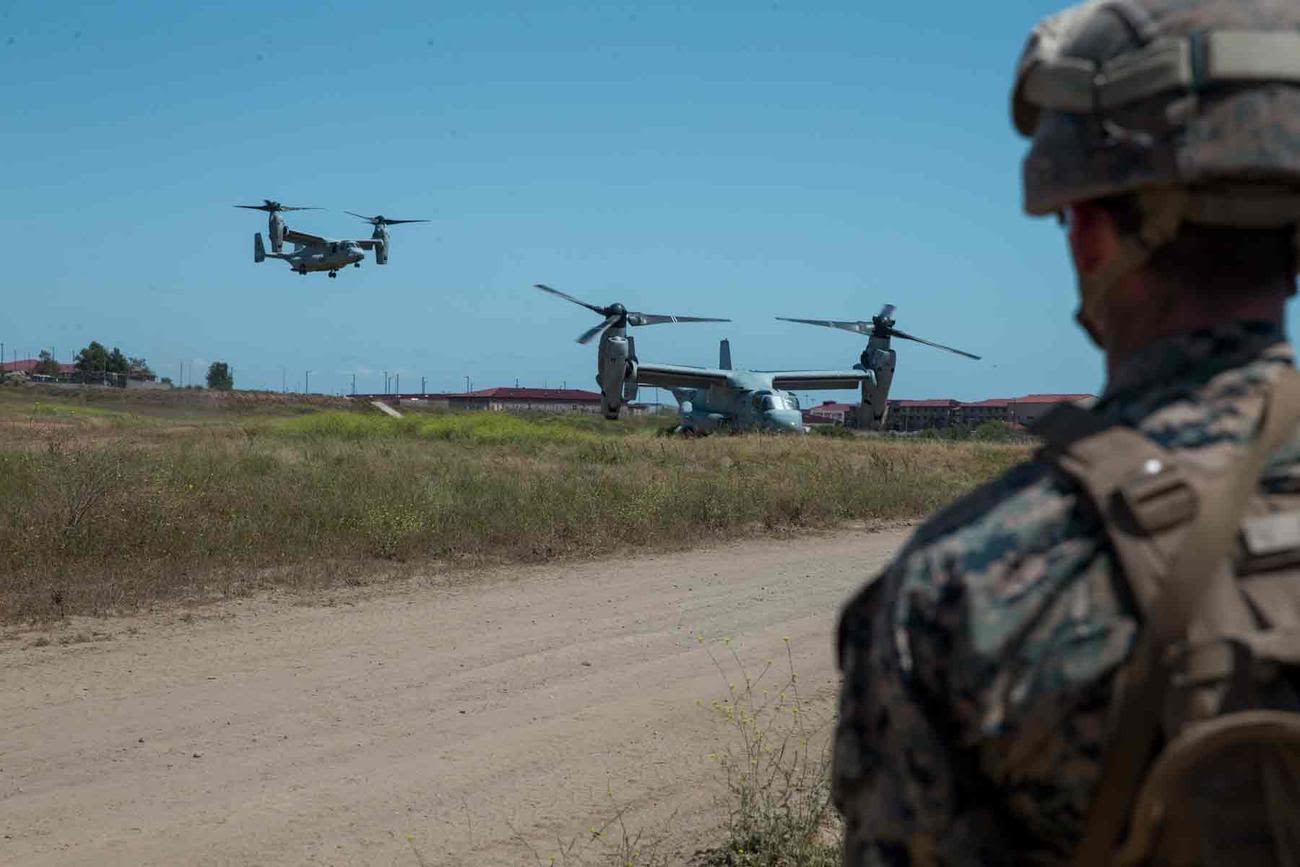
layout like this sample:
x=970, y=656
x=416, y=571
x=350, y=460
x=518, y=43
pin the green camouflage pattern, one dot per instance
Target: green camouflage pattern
x=978, y=667
x=1237, y=134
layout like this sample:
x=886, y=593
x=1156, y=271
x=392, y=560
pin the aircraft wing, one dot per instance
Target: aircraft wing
x=367, y=243
x=816, y=380
x=295, y=237
x=680, y=376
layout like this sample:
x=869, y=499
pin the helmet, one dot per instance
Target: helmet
x=1191, y=106
x=1122, y=96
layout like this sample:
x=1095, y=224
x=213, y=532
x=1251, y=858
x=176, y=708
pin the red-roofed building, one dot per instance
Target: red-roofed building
x=510, y=399
x=913, y=415
x=546, y=399
x=830, y=412
x=1028, y=409
x=27, y=365
x=981, y=411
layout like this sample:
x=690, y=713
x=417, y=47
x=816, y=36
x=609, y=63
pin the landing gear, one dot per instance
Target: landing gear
x=302, y=271
x=334, y=273
x=356, y=264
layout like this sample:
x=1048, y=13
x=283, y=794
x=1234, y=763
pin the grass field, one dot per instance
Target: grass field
x=111, y=501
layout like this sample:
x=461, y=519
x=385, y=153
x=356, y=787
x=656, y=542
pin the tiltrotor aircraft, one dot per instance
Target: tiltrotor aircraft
x=314, y=253
x=877, y=359
x=708, y=399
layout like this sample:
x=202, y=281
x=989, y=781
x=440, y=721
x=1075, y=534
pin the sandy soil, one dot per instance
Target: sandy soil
x=447, y=721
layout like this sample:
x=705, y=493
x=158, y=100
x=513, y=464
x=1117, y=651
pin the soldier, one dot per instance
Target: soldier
x=983, y=719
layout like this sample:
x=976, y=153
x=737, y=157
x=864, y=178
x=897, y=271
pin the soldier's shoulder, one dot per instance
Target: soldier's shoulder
x=1007, y=525
x=1024, y=504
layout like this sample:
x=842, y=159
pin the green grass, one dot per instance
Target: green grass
x=101, y=514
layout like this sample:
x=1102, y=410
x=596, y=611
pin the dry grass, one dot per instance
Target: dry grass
x=103, y=509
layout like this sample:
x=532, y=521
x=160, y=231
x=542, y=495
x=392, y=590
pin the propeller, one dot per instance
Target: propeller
x=381, y=220
x=616, y=315
x=272, y=207
x=881, y=325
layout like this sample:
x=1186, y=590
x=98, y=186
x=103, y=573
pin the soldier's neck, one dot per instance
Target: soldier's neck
x=1135, y=326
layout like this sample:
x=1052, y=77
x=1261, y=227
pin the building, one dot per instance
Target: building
x=1028, y=409
x=527, y=399
x=27, y=365
x=830, y=412
x=510, y=400
x=914, y=415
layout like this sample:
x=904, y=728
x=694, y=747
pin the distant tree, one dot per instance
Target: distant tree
x=166, y=380
x=46, y=365
x=117, y=362
x=219, y=376
x=93, y=358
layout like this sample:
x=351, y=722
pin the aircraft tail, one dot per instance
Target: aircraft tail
x=724, y=355
x=259, y=248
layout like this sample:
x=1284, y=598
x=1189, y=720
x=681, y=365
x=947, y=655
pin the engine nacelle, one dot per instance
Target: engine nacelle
x=381, y=252
x=615, y=373
x=276, y=232
x=259, y=250
x=878, y=360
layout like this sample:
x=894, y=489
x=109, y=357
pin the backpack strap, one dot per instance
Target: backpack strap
x=1142, y=495
x=1199, y=571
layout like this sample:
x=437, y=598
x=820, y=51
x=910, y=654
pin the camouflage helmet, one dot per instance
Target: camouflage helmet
x=1201, y=97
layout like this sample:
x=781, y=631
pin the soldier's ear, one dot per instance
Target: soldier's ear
x=1094, y=236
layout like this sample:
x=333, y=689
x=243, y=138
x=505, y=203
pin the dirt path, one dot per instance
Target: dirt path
x=435, y=722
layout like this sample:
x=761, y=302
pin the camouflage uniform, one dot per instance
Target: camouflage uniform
x=978, y=667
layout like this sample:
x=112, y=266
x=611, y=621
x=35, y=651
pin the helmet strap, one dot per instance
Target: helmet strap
x=1163, y=210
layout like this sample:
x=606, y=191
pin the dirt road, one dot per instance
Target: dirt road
x=444, y=721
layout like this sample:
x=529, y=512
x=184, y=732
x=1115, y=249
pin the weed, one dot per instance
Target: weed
x=777, y=772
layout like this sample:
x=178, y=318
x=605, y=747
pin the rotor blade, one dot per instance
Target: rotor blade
x=894, y=332
x=660, y=319
x=544, y=288
x=286, y=208
x=254, y=207
x=855, y=327
x=887, y=312
x=381, y=220
x=592, y=332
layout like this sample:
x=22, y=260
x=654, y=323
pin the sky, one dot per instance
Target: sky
x=716, y=158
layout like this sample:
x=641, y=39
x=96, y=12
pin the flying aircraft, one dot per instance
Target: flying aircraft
x=314, y=253
x=709, y=399
x=878, y=358
x=275, y=223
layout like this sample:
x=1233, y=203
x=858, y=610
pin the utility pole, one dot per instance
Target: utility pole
x=354, y=385
x=284, y=380
x=306, y=388
x=397, y=385
x=467, y=385
x=422, y=391
x=385, y=382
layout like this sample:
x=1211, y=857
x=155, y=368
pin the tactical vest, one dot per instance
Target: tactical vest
x=1202, y=756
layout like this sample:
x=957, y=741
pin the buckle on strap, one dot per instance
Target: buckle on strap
x=1158, y=497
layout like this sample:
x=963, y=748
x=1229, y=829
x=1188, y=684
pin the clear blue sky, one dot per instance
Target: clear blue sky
x=715, y=157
